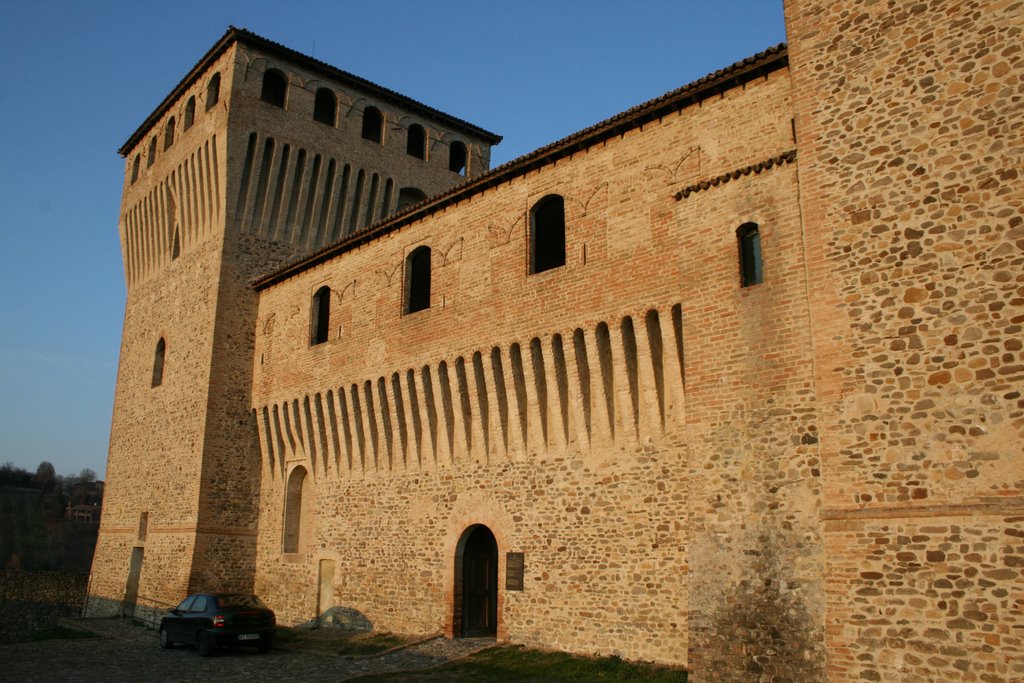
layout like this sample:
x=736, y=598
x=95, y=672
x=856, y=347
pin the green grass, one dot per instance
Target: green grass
x=530, y=666
x=60, y=633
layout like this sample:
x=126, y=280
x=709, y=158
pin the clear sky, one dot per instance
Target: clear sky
x=80, y=76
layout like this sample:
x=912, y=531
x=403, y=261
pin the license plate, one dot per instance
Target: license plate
x=249, y=636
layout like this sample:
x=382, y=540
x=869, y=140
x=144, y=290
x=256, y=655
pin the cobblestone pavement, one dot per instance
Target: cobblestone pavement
x=131, y=653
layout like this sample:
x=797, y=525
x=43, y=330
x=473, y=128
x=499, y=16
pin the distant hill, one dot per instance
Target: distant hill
x=34, y=534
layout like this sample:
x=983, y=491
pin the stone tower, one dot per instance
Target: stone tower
x=908, y=118
x=259, y=155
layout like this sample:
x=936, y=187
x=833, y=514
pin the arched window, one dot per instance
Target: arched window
x=373, y=124
x=416, y=143
x=275, y=87
x=135, y=167
x=457, y=158
x=748, y=238
x=325, y=106
x=213, y=92
x=417, y=280
x=293, y=509
x=169, y=133
x=158, y=363
x=151, y=156
x=547, y=234
x=321, y=322
x=408, y=196
x=190, y=113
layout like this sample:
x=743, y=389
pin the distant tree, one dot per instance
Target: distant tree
x=87, y=476
x=46, y=476
x=14, y=476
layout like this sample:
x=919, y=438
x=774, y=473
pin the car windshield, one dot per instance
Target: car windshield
x=240, y=601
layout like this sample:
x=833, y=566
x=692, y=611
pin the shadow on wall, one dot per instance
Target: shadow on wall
x=764, y=630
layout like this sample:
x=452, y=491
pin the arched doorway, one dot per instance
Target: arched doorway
x=476, y=583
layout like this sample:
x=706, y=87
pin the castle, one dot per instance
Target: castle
x=730, y=380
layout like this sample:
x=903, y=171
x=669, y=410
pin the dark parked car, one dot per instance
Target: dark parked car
x=209, y=621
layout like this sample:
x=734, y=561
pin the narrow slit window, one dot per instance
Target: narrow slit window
x=190, y=113
x=416, y=144
x=321, y=316
x=457, y=158
x=275, y=88
x=748, y=237
x=325, y=106
x=547, y=234
x=135, y=167
x=158, y=363
x=417, y=280
x=213, y=92
x=151, y=156
x=373, y=124
x=169, y=133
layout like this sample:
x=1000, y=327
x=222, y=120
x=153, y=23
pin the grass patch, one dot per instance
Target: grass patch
x=338, y=641
x=526, y=666
x=60, y=633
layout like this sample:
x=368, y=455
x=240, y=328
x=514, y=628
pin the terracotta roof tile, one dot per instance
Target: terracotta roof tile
x=784, y=158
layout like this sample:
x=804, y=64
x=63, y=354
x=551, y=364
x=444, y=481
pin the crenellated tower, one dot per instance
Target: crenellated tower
x=258, y=156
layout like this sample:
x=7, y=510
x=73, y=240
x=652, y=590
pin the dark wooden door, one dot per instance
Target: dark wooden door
x=480, y=584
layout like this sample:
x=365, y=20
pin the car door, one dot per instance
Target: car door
x=197, y=618
x=175, y=619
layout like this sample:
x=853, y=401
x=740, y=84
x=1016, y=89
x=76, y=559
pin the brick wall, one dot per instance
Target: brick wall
x=552, y=407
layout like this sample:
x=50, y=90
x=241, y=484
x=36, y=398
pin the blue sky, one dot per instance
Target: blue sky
x=79, y=77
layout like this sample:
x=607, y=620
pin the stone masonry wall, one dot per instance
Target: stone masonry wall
x=154, y=465
x=910, y=120
x=33, y=600
x=605, y=418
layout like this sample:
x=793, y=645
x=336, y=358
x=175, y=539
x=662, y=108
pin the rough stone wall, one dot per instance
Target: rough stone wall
x=756, y=556
x=33, y=600
x=154, y=463
x=909, y=119
x=552, y=408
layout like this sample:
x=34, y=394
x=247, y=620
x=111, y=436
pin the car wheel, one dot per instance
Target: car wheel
x=264, y=645
x=205, y=644
x=165, y=639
